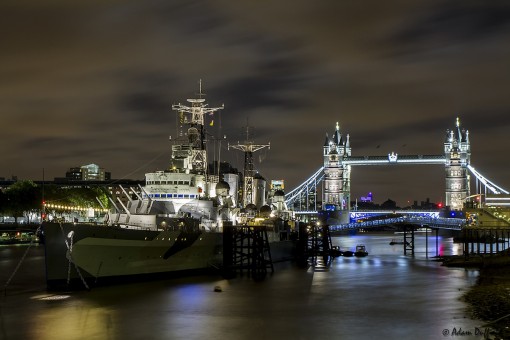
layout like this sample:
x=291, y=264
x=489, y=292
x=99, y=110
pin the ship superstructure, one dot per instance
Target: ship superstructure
x=183, y=189
x=253, y=188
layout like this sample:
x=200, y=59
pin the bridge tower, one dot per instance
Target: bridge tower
x=457, y=151
x=337, y=175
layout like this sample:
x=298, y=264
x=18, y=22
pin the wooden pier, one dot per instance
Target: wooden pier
x=246, y=251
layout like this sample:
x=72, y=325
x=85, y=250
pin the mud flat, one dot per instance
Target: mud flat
x=489, y=299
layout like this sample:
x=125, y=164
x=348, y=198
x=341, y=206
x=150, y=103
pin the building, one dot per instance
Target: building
x=90, y=172
x=368, y=198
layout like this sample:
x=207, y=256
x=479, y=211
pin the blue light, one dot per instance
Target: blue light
x=329, y=207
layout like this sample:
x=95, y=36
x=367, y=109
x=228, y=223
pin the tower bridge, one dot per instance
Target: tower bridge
x=335, y=175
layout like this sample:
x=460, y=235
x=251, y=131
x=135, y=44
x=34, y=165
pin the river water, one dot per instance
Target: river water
x=384, y=295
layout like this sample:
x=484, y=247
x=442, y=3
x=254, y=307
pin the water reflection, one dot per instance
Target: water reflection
x=425, y=245
x=384, y=294
x=73, y=320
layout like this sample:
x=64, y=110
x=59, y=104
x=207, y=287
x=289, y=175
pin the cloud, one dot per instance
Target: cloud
x=93, y=82
x=456, y=22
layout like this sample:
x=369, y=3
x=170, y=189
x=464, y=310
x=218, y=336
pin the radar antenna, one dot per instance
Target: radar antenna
x=194, y=117
x=249, y=173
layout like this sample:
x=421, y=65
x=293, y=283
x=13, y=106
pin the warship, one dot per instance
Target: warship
x=175, y=224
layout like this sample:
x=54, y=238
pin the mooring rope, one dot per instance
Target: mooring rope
x=20, y=261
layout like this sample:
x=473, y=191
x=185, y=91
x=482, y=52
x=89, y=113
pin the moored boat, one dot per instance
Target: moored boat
x=347, y=253
x=360, y=251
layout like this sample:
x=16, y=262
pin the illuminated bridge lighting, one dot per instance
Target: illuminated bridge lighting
x=439, y=223
x=303, y=188
x=315, y=179
x=395, y=159
x=486, y=182
x=336, y=171
x=361, y=214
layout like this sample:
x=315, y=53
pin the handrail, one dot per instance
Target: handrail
x=439, y=222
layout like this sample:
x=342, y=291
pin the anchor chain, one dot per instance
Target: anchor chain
x=69, y=263
x=70, y=249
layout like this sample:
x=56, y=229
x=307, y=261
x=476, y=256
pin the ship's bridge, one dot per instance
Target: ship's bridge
x=163, y=185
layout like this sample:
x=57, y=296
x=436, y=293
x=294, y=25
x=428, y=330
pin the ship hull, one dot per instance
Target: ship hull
x=84, y=255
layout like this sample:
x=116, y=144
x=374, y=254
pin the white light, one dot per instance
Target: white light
x=54, y=297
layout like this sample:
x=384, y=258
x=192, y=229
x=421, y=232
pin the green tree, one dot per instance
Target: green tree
x=22, y=198
x=3, y=205
x=82, y=196
x=85, y=197
x=25, y=198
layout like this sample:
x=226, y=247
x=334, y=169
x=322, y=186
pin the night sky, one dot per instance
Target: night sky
x=93, y=82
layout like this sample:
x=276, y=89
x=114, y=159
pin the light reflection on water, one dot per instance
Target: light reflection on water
x=385, y=294
x=379, y=244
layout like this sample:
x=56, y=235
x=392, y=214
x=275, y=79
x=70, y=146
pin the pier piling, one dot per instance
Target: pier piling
x=246, y=250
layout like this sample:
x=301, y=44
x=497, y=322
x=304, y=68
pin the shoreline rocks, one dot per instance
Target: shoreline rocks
x=489, y=299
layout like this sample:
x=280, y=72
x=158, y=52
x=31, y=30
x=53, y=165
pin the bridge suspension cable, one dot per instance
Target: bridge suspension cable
x=304, y=187
x=317, y=177
x=495, y=189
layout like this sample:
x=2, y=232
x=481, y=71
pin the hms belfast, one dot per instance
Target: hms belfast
x=181, y=222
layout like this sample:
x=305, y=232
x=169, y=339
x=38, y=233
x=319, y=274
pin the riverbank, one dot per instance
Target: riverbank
x=489, y=300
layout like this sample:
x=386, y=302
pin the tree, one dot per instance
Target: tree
x=3, y=204
x=22, y=197
x=25, y=198
x=71, y=196
x=389, y=204
x=83, y=197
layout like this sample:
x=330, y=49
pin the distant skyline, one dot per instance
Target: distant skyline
x=93, y=82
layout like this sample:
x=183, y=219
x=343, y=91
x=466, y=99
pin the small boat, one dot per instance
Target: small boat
x=18, y=238
x=6, y=238
x=347, y=253
x=397, y=241
x=360, y=251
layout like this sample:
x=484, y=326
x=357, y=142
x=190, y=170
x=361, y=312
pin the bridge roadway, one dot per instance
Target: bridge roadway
x=318, y=243
x=369, y=219
x=431, y=222
x=310, y=184
x=395, y=159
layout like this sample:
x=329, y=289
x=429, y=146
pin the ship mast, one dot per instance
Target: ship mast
x=249, y=173
x=194, y=116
